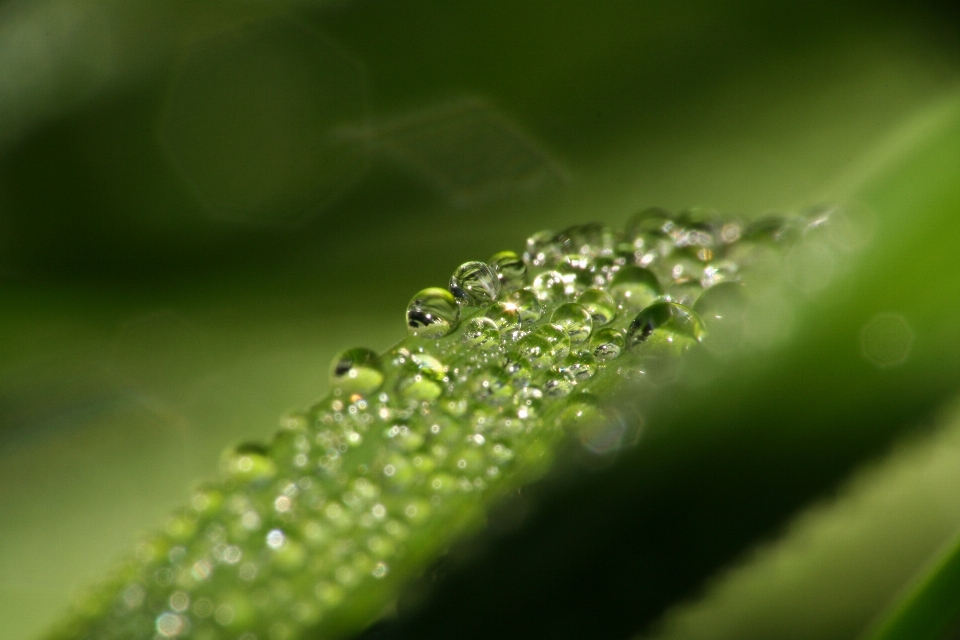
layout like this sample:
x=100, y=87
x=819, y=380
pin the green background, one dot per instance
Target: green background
x=201, y=203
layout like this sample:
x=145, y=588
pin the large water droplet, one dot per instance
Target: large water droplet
x=635, y=288
x=578, y=270
x=527, y=305
x=432, y=313
x=481, y=332
x=574, y=320
x=550, y=286
x=579, y=367
x=544, y=347
x=475, y=284
x=666, y=325
x=607, y=344
x=542, y=249
x=510, y=269
x=248, y=462
x=685, y=292
x=723, y=310
x=356, y=371
x=655, y=220
x=601, y=306
x=504, y=314
x=591, y=239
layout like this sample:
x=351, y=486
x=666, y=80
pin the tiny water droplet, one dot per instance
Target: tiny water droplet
x=481, y=332
x=666, y=324
x=635, y=287
x=574, y=320
x=607, y=344
x=601, y=306
x=357, y=370
x=432, y=313
x=550, y=286
x=510, y=269
x=475, y=284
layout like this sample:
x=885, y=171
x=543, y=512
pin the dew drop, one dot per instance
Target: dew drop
x=248, y=462
x=574, y=320
x=684, y=292
x=491, y=385
x=504, y=315
x=475, y=284
x=481, y=332
x=550, y=286
x=635, y=287
x=666, y=325
x=510, y=269
x=578, y=270
x=591, y=239
x=542, y=249
x=558, y=385
x=528, y=306
x=432, y=313
x=723, y=310
x=607, y=344
x=654, y=220
x=601, y=306
x=543, y=347
x=529, y=402
x=357, y=371
x=579, y=367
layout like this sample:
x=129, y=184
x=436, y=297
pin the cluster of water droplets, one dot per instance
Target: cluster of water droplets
x=498, y=366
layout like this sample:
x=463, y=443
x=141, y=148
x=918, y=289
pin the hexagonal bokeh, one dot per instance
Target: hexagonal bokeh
x=254, y=118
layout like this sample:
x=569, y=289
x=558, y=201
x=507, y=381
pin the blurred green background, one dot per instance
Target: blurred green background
x=202, y=202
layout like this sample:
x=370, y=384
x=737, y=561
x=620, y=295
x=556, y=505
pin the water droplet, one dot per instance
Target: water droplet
x=357, y=371
x=542, y=249
x=574, y=320
x=717, y=272
x=579, y=367
x=666, y=325
x=248, y=462
x=684, y=292
x=591, y=239
x=607, y=344
x=527, y=305
x=529, y=402
x=504, y=315
x=654, y=220
x=492, y=385
x=635, y=287
x=723, y=310
x=432, y=313
x=557, y=385
x=550, y=286
x=481, y=332
x=510, y=269
x=418, y=387
x=601, y=306
x=543, y=347
x=475, y=284
x=578, y=270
